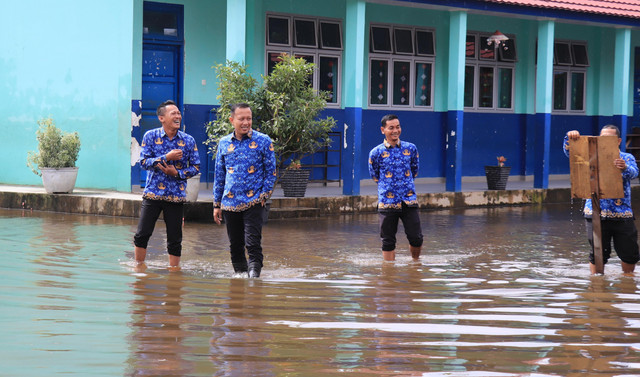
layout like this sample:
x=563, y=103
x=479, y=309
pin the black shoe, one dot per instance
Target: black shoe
x=254, y=273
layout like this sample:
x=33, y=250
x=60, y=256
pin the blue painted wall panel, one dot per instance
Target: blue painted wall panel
x=489, y=135
x=195, y=118
x=424, y=129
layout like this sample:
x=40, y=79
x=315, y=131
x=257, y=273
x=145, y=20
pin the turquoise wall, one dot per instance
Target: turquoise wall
x=70, y=60
x=204, y=46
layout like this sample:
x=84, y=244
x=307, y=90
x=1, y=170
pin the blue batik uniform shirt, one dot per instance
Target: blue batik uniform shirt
x=160, y=186
x=613, y=208
x=245, y=171
x=394, y=170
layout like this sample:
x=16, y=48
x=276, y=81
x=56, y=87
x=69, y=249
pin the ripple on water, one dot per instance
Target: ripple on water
x=478, y=303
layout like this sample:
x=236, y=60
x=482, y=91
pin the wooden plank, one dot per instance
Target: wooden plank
x=579, y=165
x=595, y=205
x=580, y=160
x=597, y=236
x=609, y=177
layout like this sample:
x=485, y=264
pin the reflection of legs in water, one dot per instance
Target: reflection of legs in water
x=158, y=327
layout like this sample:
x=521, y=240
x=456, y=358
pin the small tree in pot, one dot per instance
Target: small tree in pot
x=56, y=157
x=285, y=106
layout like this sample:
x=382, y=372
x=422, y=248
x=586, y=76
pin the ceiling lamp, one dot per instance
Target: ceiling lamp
x=496, y=39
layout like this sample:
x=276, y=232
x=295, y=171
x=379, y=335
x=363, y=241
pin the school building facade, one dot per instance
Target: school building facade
x=101, y=68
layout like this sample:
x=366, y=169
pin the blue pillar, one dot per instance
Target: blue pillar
x=544, y=102
x=353, y=95
x=455, y=100
x=621, y=81
x=236, y=30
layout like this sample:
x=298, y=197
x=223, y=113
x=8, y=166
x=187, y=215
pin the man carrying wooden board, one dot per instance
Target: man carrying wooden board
x=617, y=220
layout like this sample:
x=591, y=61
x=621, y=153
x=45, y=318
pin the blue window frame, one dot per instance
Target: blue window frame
x=163, y=22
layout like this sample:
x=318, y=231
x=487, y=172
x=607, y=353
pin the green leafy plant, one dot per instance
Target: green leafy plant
x=56, y=149
x=284, y=106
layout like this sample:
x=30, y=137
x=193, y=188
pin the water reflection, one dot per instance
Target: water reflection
x=157, y=338
x=238, y=346
x=499, y=292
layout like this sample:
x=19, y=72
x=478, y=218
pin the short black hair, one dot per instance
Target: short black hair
x=387, y=118
x=163, y=105
x=612, y=127
x=241, y=105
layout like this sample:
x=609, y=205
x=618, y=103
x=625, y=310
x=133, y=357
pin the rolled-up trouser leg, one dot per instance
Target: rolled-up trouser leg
x=173, y=213
x=388, y=229
x=412, y=228
x=149, y=213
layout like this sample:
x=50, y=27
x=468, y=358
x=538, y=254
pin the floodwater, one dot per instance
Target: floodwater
x=499, y=292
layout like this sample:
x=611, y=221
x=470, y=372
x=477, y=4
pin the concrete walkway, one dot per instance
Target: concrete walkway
x=319, y=200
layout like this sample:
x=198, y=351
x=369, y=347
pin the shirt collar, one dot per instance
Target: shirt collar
x=248, y=135
x=387, y=145
x=163, y=133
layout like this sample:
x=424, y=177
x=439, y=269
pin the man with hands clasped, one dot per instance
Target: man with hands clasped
x=170, y=157
x=617, y=219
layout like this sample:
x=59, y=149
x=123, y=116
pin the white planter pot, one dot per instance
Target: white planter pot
x=193, y=188
x=59, y=181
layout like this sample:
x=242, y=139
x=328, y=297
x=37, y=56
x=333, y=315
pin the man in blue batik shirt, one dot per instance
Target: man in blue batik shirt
x=245, y=174
x=393, y=165
x=170, y=157
x=617, y=220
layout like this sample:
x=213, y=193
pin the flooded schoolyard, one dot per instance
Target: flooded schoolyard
x=499, y=292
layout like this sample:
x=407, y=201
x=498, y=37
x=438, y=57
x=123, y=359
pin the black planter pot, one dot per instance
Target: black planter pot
x=497, y=177
x=294, y=182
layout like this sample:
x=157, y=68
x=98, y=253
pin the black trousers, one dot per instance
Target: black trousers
x=410, y=217
x=172, y=214
x=245, y=230
x=624, y=234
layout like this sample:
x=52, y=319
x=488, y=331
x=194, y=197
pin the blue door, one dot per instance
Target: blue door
x=160, y=82
x=161, y=63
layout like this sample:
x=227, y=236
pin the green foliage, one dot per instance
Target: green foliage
x=285, y=107
x=56, y=149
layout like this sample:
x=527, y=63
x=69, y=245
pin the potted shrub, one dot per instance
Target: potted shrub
x=284, y=105
x=497, y=175
x=56, y=157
